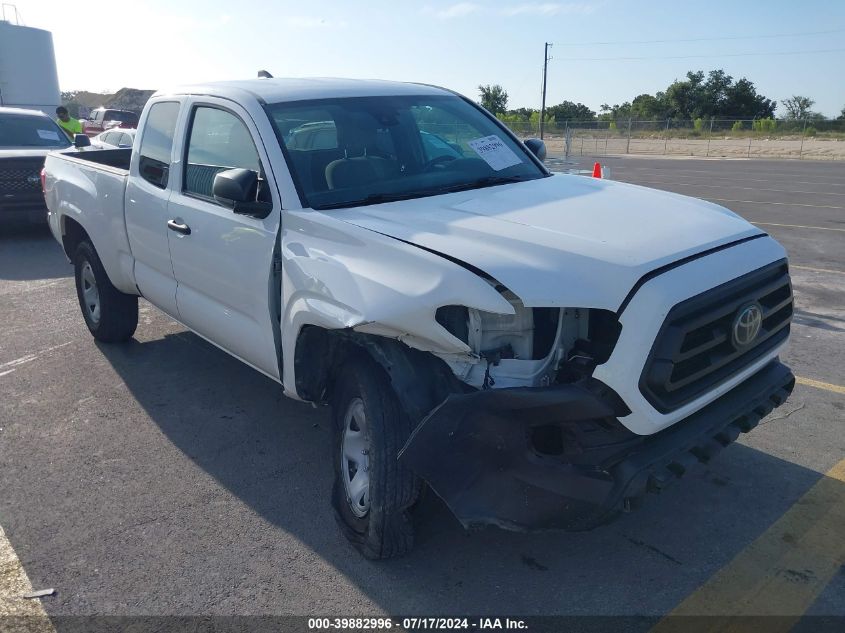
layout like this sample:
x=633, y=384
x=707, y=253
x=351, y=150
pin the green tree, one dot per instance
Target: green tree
x=799, y=107
x=646, y=106
x=494, y=98
x=570, y=111
x=764, y=125
x=535, y=118
x=613, y=112
x=742, y=100
x=841, y=116
x=686, y=98
x=715, y=94
x=523, y=114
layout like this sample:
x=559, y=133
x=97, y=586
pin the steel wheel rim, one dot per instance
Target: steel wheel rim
x=354, y=458
x=90, y=293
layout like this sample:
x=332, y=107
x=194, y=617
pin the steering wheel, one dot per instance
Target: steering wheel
x=438, y=160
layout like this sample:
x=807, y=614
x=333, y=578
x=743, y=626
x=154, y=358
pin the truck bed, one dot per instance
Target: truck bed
x=88, y=188
x=118, y=158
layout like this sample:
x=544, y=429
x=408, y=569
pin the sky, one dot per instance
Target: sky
x=604, y=51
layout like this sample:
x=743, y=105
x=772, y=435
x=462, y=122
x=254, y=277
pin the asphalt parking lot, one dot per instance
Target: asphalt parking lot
x=163, y=477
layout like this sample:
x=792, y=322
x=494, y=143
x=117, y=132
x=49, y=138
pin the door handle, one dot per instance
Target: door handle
x=184, y=229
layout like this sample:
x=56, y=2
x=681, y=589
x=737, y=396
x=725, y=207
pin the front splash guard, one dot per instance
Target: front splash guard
x=476, y=452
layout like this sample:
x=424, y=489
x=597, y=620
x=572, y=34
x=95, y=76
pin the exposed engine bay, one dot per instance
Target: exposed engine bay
x=534, y=347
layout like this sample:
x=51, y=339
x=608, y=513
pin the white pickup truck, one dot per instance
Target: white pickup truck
x=539, y=349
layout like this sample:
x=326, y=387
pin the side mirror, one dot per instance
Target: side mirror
x=81, y=140
x=237, y=188
x=537, y=147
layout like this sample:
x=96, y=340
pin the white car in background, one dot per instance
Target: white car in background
x=114, y=139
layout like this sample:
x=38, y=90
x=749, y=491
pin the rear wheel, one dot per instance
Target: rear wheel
x=372, y=492
x=111, y=316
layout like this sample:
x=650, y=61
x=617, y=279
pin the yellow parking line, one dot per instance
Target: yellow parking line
x=818, y=270
x=799, y=226
x=781, y=573
x=818, y=384
x=13, y=584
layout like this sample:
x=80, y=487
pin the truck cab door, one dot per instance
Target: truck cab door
x=224, y=262
x=147, y=194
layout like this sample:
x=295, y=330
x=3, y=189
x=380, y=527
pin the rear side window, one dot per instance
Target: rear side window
x=218, y=140
x=121, y=116
x=157, y=143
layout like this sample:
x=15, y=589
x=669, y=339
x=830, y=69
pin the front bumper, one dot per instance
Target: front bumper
x=28, y=207
x=557, y=457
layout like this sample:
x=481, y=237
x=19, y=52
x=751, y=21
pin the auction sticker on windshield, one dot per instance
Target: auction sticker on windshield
x=48, y=135
x=494, y=152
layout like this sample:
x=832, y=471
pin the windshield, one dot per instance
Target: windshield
x=20, y=130
x=365, y=150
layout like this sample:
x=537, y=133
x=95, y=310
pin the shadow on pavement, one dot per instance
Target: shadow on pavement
x=273, y=454
x=29, y=252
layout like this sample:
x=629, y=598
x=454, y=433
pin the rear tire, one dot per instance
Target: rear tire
x=111, y=316
x=373, y=492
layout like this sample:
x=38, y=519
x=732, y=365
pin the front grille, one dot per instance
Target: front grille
x=694, y=350
x=21, y=175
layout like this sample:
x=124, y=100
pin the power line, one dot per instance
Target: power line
x=703, y=39
x=653, y=57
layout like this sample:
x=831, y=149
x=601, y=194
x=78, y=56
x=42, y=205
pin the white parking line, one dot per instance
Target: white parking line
x=799, y=226
x=19, y=361
x=711, y=176
x=14, y=583
x=780, y=204
x=694, y=184
x=29, y=357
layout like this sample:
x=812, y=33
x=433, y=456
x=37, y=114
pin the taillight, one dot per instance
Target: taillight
x=43, y=180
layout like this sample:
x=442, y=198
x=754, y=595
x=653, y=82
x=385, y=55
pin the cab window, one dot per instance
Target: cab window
x=157, y=143
x=217, y=140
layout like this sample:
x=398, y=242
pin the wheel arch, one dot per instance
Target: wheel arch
x=420, y=379
x=73, y=233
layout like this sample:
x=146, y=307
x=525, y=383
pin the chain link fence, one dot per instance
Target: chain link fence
x=729, y=138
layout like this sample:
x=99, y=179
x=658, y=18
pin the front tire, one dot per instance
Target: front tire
x=111, y=316
x=372, y=491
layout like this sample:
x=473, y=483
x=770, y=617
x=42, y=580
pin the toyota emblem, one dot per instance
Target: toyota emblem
x=746, y=325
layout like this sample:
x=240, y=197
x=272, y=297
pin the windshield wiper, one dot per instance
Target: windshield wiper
x=376, y=198
x=379, y=198
x=486, y=181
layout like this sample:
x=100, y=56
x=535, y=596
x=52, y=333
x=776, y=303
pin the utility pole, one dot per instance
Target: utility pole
x=545, y=72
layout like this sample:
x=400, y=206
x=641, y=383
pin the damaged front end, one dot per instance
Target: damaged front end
x=557, y=457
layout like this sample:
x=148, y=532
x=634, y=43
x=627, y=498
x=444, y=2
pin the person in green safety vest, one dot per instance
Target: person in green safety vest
x=69, y=125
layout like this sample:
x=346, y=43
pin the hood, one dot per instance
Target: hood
x=559, y=241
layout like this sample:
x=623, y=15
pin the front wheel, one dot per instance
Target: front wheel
x=111, y=316
x=372, y=490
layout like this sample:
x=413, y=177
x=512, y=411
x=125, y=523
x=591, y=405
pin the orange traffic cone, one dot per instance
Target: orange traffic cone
x=596, y=171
